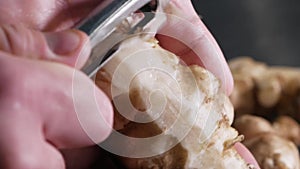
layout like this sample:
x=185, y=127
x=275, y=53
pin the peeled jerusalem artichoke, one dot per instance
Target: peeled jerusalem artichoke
x=209, y=139
x=181, y=109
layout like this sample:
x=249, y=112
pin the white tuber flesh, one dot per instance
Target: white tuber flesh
x=209, y=143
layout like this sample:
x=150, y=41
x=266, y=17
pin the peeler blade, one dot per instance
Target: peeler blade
x=102, y=28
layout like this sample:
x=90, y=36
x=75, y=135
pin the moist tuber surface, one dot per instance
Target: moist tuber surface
x=209, y=140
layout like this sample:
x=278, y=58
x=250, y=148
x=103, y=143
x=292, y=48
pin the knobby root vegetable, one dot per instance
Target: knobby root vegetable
x=273, y=152
x=264, y=89
x=155, y=94
x=288, y=128
x=271, y=144
x=173, y=115
x=209, y=137
x=252, y=126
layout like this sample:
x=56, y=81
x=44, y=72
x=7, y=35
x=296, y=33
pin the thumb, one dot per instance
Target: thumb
x=186, y=35
x=70, y=47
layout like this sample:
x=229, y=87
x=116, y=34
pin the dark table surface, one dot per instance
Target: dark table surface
x=266, y=30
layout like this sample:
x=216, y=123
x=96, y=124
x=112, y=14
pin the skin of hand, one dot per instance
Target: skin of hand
x=187, y=36
x=37, y=100
x=25, y=103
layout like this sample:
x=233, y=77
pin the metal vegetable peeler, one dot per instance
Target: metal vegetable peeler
x=101, y=26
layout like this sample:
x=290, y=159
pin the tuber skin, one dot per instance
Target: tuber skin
x=273, y=152
x=243, y=88
x=288, y=128
x=265, y=89
x=274, y=93
x=268, y=90
x=242, y=65
x=252, y=126
x=273, y=145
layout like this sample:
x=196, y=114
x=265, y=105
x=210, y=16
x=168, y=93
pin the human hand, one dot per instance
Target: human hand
x=37, y=105
x=186, y=36
x=54, y=15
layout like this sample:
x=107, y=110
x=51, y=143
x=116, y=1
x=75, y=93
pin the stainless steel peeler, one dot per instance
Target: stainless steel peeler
x=101, y=26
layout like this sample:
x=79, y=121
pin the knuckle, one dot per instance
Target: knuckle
x=7, y=33
x=20, y=41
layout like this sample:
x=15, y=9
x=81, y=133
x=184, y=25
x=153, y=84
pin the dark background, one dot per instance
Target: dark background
x=267, y=30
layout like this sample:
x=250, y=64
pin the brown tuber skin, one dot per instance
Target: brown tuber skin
x=243, y=88
x=265, y=89
x=268, y=91
x=252, y=126
x=274, y=152
x=288, y=128
x=244, y=71
x=271, y=144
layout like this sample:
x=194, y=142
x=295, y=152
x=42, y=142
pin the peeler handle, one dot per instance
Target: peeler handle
x=102, y=22
x=100, y=27
x=92, y=23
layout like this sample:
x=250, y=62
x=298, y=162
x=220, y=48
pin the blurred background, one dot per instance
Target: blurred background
x=267, y=30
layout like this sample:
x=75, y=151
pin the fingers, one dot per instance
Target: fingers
x=50, y=15
x=246, y=155
x=84, y=107
x=185, y=35
x=72, y=111
x=44, y=105
x=22, y=144
x=70, y=47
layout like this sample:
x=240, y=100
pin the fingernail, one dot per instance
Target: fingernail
x=63, y=43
